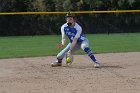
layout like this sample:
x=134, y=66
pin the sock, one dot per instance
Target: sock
x=90, y=54
x=59, y=60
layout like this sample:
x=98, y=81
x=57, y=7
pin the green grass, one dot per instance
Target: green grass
x=28, y=46
x=115, y=43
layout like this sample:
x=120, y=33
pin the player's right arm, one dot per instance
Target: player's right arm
x=63, y=40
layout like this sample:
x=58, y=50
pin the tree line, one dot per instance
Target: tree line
x=16, y=25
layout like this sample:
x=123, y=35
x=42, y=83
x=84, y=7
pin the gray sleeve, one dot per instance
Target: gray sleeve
x=79, y=31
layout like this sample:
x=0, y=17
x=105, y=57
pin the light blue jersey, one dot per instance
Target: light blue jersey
x=75, y=31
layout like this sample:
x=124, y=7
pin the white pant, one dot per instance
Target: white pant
x=84, y=44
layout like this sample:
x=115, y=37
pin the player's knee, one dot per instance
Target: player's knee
x=83, y=46
x=60, y=56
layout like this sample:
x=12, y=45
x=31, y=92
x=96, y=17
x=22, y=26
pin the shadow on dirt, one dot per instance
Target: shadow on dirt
x=92, y=67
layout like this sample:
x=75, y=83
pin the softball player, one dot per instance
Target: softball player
x=73, y=31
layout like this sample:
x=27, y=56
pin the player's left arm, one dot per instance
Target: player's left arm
x=73, y=43
x=79, y=31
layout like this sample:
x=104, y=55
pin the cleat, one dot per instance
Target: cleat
x=97, y=65
x=56, y=64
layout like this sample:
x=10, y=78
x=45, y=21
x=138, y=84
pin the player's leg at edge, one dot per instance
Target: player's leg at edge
x=60, y=56
x=91, y=55
x=85, y=47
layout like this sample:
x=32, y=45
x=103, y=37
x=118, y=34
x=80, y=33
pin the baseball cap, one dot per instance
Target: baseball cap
x=70, y=15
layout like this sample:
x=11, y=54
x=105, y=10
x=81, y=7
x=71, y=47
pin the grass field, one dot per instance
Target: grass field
x=30, y=46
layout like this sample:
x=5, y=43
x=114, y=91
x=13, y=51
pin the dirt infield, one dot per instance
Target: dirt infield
x=120, y=74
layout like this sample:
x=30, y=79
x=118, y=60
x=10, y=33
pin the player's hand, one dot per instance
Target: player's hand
x=59, y=46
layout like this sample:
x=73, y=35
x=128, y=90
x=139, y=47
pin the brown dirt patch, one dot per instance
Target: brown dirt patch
x=120, y=74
